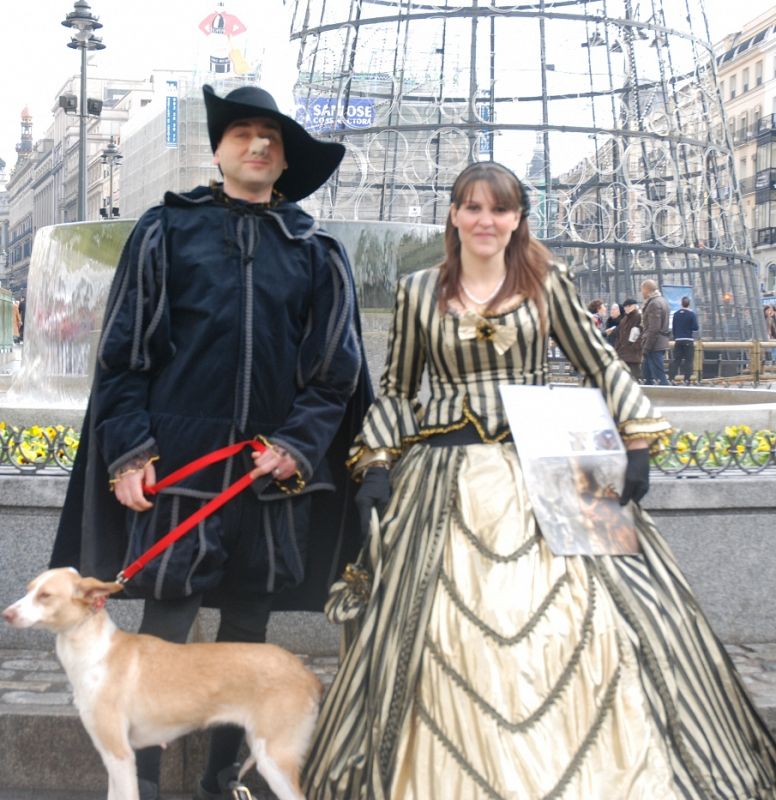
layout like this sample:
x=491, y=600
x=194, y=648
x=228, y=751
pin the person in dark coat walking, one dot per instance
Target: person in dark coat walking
x=654, y=334
x=612, y=321
x=628, y=333
x=232, y=315
x=684, y=326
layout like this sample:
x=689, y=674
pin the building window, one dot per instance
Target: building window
x=732, y=86
x=758, y=73
x=742, y=123
x=763, y=158
x=742, y=167
x=745, y=80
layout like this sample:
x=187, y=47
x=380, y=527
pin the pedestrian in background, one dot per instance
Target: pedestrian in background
x=770, y=321
x=16, y=323
x=684, y=327
x=628, y=345
x=655, y=315
x=612, y=321
x=22, y=312
x=598, y=309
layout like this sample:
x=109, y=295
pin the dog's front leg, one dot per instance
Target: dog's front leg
x=122, y=777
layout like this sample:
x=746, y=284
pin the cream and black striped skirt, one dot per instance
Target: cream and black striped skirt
x=482, y=666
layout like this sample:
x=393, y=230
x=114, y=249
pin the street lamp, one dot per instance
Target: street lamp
x=111, y=156
x=84, y=23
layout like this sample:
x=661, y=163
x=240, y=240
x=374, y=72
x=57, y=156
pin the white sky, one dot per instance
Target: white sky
x=142, y=35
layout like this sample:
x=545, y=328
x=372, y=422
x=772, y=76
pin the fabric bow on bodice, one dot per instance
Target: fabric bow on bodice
x=473, y=326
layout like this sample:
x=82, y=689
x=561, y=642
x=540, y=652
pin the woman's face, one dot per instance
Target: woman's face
x=484, y=226
x=614, y=311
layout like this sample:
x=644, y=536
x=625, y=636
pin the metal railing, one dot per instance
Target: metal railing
x=35, y=449
x=737, y=449
x=750, y=362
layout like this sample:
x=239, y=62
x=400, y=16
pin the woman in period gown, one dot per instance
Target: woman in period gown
x=479, y=665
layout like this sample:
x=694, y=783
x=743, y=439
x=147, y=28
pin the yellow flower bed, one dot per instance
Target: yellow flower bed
x=713, y=451
x=38, y=445
x=56, y=445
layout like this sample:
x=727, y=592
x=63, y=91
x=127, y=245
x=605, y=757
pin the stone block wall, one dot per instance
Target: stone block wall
x=722, y=531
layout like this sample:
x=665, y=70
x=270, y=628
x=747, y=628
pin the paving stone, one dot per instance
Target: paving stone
x=33, y=699
x=35, y=708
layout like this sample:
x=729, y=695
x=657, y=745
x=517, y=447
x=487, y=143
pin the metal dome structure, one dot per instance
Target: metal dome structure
x=608, y=110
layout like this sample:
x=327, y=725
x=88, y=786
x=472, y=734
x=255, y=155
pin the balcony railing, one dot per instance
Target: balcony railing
x=747, y=185
x=766, y=236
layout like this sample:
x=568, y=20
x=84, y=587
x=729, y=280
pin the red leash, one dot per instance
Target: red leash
x=190, y=522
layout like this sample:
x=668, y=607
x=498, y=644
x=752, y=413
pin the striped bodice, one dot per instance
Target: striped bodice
x=464, y=373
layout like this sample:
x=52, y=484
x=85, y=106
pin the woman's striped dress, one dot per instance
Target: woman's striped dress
x=482, y=666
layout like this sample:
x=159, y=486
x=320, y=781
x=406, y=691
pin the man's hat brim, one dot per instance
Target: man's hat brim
x=310, y=161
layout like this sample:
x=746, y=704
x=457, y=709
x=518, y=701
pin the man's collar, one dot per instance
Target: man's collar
x=222, y=198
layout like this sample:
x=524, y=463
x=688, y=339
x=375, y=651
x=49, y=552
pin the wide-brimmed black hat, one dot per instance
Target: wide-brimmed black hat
x=310, y=162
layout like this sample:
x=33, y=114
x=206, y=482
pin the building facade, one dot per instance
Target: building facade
x=610, y=115
x=42, y=187
x=746, y=64
x=165, y=143
x=4, y=232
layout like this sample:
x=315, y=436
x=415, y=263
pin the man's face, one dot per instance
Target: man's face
x=645, y=291
x=252, y=158
x=629, y=309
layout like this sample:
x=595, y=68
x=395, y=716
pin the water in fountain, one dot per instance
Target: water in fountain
x=382, y=251
x=70, y=274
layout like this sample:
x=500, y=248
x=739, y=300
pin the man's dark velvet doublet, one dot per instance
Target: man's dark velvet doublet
x=225, y=320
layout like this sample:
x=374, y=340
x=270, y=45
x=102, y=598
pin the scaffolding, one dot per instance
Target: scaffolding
x=608, y=110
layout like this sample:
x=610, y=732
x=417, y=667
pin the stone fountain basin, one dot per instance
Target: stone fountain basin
x=694, y=409
x=712, y=408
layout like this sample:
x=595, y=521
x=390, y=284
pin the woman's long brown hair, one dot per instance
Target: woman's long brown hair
x=527, y=260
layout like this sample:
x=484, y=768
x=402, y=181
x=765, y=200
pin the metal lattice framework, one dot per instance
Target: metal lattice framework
x=607, y=109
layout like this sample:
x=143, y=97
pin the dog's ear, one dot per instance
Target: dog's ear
x=90, y=590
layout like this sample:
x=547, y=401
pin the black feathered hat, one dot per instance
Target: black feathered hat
x=310, y=161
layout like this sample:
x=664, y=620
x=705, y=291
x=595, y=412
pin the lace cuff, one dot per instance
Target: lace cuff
x=365, y=458
x=137, y=462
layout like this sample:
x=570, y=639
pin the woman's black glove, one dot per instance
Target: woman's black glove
x=375, y=492
x=636, y=476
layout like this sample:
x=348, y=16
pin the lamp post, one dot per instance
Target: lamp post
x=84, y=23
x=111, y=156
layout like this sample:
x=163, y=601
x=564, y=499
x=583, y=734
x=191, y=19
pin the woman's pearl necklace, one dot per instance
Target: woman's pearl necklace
x=486, y=300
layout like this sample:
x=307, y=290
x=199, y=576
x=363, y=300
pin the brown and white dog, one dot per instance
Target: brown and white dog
x=133, y=690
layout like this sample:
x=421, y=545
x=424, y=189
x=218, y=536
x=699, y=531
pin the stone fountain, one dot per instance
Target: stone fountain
x=71, y=269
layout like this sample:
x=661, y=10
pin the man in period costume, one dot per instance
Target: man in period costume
x=231, y=315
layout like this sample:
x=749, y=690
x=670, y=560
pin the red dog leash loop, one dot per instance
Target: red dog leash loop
x=211, y=506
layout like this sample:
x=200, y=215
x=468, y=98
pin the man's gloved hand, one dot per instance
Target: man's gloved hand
x=375, y=492
x=636, y=476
